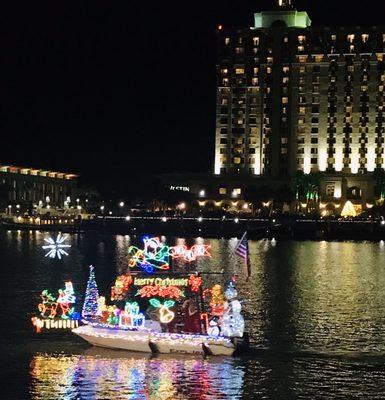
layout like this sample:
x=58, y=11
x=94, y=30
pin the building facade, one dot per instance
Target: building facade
x=26, y=188
x=294, y=97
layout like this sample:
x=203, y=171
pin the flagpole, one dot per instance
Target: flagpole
x=247, y=258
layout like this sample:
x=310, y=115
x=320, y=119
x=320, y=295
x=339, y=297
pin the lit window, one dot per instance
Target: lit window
x=239, y=50
x=333, y=37
x=256, y=41
x=285, y=100
x=365, y=37
x=330, y=188
x=224, y=71
x=301, y=39
x=222, y=191
x=227, y=40
x=350, y=38
x=239, y=71
x=237, y=191
x=237, y=160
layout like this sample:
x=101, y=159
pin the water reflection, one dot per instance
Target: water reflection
x=315, y=312
x=105, y=374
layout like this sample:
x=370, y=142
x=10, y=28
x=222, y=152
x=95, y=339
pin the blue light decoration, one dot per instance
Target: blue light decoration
x=131, y=317
x=91, y=306
x=154, y=256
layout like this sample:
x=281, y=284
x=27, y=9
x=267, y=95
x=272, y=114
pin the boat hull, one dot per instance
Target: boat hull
x=123, y=340
x=151, y=342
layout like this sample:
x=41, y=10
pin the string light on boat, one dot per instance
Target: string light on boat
x=56, y=246
x=190, y=254
x=131, y=317
x=155, y=255
x=165, y=314
x=171, y=292
x=122, y=284
x=195, y=283
x=55, y=311
x=91, y=305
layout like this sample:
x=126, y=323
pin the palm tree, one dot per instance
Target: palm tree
x=309, y=184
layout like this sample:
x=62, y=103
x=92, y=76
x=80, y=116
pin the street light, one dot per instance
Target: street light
x=121, y=204
x=202, y=193
x=200, y=219
x=128, y=218
x=164, y=219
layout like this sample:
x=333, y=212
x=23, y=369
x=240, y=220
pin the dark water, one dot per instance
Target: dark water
x=315, y=312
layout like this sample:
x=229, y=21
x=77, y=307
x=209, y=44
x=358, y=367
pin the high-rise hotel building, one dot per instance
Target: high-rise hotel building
x=291, y=96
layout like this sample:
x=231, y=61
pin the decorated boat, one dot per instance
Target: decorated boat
x=157, y=310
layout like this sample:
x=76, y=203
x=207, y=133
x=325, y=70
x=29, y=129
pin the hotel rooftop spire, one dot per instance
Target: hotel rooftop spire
x=283, y=14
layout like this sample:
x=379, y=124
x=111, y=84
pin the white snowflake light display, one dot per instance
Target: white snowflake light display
x=56, y=246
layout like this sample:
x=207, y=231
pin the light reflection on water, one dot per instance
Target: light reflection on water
x=105, y=374
x=315, y=312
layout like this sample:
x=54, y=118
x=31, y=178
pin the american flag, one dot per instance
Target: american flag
x=242, y=250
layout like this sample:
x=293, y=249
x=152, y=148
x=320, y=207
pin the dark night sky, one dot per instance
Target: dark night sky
x=101, y=87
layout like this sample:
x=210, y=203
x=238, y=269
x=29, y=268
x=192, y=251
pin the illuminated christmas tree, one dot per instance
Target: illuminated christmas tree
x=90, y=306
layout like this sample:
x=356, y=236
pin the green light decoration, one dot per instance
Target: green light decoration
x=165, y=314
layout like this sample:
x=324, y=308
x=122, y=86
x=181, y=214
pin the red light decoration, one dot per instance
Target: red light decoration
x=171, y=292
x=189, y=255
x=195, y=282
x=217, y=300
x=122, y=284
